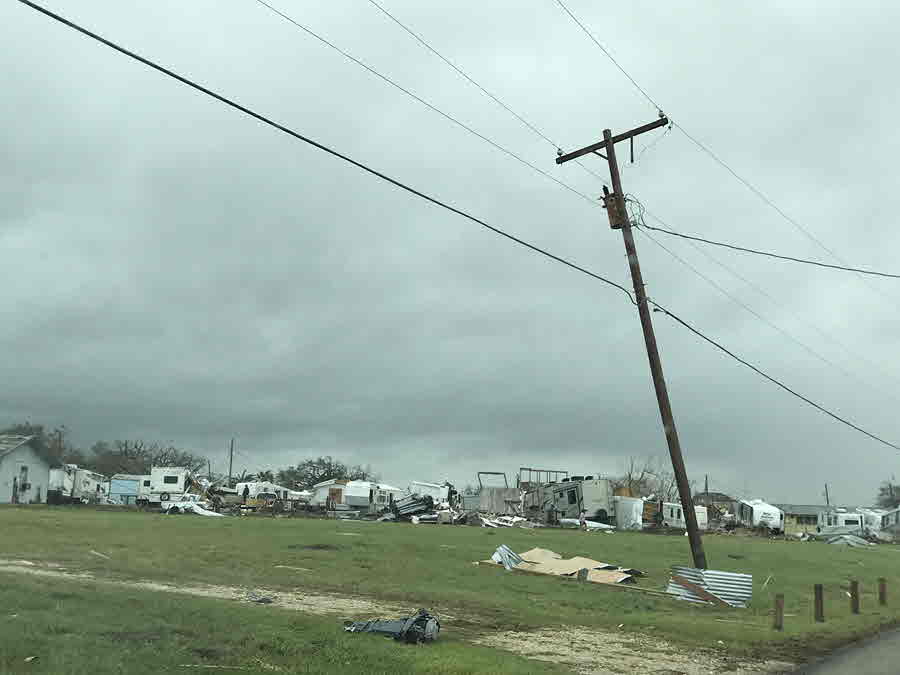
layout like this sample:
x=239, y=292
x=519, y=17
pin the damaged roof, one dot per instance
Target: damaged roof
x=9, y=442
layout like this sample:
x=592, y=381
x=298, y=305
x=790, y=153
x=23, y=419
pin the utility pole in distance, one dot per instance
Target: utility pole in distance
x=230, y=461
x=618, y=220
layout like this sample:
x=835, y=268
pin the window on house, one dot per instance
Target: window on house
x=851, y=521
x=679, y=514
x=146, y=483
x=573, y=496
x=170, y=480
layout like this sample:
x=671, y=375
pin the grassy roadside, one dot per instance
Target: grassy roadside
x=431, y=566
x=92, y=628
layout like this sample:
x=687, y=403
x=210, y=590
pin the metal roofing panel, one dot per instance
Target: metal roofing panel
x=734, y=588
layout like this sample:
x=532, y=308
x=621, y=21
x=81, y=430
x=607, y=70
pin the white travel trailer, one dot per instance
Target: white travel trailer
x=70, y=484
x=167, y=482
x=353, y=495
x=673, y=516
x=593, y=495
x=851, y=521
x=757, y=513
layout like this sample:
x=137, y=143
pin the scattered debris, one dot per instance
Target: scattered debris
x=191, y=507
x=259, y=598
x=711, y=586
x=850, y=540
x=30, y=659
x=348, y=534
x=589, y=524
x=544, y=561
x=768, y=579
x=506, y=557
x=421, y=627
x=100, y=555
x=206, y=665
x=289, y=567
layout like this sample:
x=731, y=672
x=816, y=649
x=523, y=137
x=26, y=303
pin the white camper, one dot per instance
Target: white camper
x=757, y=513
x=571, y=497
x=71, y=484
x=673, y=516
x=353, y=495
x=167, y=482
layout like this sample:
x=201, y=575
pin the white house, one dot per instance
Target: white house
x=24, y=474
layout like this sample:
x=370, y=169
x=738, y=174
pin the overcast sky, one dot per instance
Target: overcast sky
x=174, y=270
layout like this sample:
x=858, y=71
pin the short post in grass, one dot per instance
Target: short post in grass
x=819, y=592
x=583, y=574
x=882, y=591
x=854, y=596
x=778, y=623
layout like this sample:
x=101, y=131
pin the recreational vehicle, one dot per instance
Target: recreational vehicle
x=673, y=516
x=592, y=495
x=70, y=484
x=755, y=513
x=167, y=482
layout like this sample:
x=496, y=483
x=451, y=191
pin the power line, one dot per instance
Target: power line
x=608, y=55
x=761, y=291
x=812, y=352
x=774, y=326
x=422, y=195
x=421, y=100
x=766, y=253
x=472, y=81
x=771, y=379
x=290, y=132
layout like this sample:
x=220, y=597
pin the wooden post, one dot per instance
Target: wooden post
x=779, y=612
x=819, y=602
x=882, y=591
x=854, y=596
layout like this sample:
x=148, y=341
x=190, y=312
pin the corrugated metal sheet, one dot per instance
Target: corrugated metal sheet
x=507, y=557
x=732, y=587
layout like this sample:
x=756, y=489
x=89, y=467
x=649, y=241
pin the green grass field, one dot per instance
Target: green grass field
x=402, y=565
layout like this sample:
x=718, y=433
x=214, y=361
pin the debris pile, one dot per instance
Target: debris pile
x=544, y=561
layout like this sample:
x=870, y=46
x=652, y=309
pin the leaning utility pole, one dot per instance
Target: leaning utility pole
x=827, y=501
x=618, y=220
x=230, y=461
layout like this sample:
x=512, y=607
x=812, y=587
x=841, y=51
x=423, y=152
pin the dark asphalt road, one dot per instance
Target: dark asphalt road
x=879, y=656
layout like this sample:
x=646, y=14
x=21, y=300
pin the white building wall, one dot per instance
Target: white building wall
x=37, y=472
